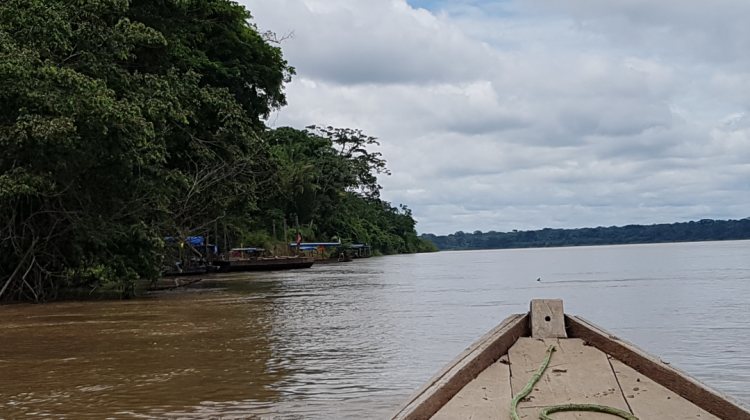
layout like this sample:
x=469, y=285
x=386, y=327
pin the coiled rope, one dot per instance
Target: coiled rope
x=543, y=415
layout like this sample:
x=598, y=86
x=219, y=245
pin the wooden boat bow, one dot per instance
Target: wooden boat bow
x=594, y=366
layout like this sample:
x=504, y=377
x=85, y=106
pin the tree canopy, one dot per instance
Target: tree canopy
x=327, y=179
x=123, y=122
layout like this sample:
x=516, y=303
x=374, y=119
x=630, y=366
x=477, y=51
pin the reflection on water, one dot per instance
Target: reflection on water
x=354, y=340
x=127, y=358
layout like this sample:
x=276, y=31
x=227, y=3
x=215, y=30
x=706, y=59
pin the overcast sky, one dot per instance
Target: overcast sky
x=500, y=115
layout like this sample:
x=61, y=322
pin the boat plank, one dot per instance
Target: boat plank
x=487, y=397
x=660, y=372
x=577, y=374
x=449, y=381
x=649, y=400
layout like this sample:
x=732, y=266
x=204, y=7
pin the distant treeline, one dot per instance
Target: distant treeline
x=703, y=230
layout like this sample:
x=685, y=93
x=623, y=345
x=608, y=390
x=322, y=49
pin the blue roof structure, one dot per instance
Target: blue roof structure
x=195, y=240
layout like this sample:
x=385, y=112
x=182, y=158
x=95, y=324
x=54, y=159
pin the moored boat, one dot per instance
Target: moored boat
x=250, y=259
x=534, y=364
x=264, y=264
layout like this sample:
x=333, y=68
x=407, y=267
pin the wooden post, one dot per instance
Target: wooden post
x=286, y=241
x=226, y=243
x=184, y=254
x=296, y=221
x=547, y=318
x=216, y=237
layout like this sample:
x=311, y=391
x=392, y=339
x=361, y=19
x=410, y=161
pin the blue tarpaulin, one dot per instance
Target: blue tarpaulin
x=194, y=240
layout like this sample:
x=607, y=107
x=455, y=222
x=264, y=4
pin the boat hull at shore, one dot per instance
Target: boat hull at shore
x=330, y=261
x=588, y=366
x=264, y=264
x=191, y=271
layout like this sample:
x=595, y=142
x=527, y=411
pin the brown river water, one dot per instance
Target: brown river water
x=352, y=341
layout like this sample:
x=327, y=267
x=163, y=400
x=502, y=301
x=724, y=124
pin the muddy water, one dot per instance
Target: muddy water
x=354, y=340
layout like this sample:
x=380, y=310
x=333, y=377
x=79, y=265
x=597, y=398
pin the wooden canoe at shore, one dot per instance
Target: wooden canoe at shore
x=263, y=264
x=590, y=366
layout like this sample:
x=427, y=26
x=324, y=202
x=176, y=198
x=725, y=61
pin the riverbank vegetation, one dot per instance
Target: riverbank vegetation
x=703, y=230
x=123, y=122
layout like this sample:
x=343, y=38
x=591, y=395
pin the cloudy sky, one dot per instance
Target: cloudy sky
x=500, y=115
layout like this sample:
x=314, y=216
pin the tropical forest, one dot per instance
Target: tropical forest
x=126, y=122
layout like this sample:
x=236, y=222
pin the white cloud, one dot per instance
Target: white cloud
x=497, y=116
x=715, y=32
x=376, y=42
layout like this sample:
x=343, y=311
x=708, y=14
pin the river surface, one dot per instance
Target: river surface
x=354, y=340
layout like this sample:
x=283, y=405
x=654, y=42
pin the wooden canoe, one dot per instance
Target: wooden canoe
x=263, y=264
x=590, y=366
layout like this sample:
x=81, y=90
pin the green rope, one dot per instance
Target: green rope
x=521, y=395
x=543, y=415
x=585, y=407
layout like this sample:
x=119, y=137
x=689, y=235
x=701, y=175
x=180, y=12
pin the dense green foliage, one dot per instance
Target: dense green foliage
x=325, y=178
x=703, y=230
x=126, y=121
